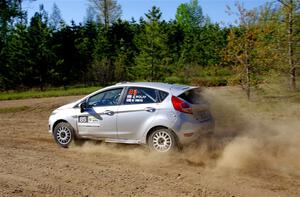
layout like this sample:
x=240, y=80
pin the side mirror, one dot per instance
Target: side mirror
x=83, y=106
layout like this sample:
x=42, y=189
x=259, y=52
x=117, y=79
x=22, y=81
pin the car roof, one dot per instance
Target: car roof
x=175, y=89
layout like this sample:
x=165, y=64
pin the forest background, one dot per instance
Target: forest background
x=44, y=51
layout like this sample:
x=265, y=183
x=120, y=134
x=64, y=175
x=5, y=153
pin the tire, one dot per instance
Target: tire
x=162, y=141
x=63, y=134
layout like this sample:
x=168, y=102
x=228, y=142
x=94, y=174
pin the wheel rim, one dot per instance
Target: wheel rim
x=162, y=141
x=63, y=135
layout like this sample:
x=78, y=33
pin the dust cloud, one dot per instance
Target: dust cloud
x=138, y=154
x=255, y=142
x=245, y=139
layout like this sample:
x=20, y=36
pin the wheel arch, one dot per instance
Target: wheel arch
x=57, y=122
x=160, y=127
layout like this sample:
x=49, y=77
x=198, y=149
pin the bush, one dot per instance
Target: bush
x=174, y=79
x=209, y=81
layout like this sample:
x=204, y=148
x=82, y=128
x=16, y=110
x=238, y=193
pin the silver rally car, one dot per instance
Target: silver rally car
x=164, y=116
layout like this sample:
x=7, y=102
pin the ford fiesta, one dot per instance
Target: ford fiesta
x=163, y=116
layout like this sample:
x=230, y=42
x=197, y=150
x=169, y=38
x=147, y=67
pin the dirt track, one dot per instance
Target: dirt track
x=31, y=164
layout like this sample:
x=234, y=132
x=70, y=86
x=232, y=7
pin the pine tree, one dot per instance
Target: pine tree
x=41, y=54
x=55, y=20
x=152, y=60
x=18, y=50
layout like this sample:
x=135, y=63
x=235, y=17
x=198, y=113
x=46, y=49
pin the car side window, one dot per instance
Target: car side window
x=138, y=95
x=106, y=98
x=162, y=95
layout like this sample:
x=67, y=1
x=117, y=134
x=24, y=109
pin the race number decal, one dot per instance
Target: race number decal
x=82, y=119
x=132, y=92
x=87, y=119
x=134, y=96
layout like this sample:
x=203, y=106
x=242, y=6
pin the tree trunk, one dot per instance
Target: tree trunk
x=152, y=54
x=248, y=81
x=290, y=48
x=41, y=84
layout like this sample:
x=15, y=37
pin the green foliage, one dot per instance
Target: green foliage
x=152, y=61
x=41, y=54
x=18, y=68
x=253, y=48
x=202, y=76
x=190, y=15
x=9, y=10
x=174, y=80
x=13, y=109
x=11, y=95
x=202, y=39
x=47, y=52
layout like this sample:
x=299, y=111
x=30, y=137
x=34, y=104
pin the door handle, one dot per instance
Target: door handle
x=108, y=112
x=150, y=109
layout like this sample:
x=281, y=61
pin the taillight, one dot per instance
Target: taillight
x=180, y=105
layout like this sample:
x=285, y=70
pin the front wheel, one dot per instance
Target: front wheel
x=162, y=140
x=63, y=134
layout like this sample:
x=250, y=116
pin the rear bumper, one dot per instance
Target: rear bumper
x=193, y=131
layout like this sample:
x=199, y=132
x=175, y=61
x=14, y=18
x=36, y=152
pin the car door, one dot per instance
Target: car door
x=99, y=119
x=137, y=112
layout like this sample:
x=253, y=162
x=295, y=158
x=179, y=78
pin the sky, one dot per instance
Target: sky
x=76, y=9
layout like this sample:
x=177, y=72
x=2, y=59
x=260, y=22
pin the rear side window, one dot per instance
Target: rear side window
x=162, y=95
x=192, y=96
x=138, y=95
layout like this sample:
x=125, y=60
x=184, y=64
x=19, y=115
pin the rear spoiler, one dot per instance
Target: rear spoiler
x=176, y=90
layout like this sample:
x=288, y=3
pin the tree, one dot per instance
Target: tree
x=102, y=67
x=85, y=44
x=90, y=15
x=55, y=20
x=190, y=15
x=41, y=54
x=107, y=11
x=251, y=47
x=175, y=37
x=152, y=60
x=18, y=67
x=290, y=8
x=241, y=48
x=69, y=54
x=202, y=39
x=9, y=11
x=125, y=50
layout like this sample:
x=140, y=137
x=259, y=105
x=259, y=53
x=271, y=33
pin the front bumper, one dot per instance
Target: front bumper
x=50, y=124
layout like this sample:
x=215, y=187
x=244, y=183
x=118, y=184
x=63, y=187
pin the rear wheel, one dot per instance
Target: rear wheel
x=162, y=140
x=63, y=134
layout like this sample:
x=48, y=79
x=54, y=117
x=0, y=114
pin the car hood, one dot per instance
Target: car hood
x=67, y=106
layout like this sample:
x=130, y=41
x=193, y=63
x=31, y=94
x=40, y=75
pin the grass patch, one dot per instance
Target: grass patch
x=13, y=95
x=13, y=109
